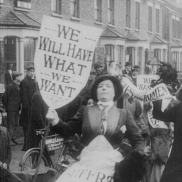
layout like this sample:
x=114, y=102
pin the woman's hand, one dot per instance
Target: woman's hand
x=52, y=116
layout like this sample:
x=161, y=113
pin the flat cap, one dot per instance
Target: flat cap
x=30, y=67
x=16, y=73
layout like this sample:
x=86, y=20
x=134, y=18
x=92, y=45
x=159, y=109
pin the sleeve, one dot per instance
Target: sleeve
x=133, y=131
x=37, y=111
x=72, y=126
x=168, y=115
x=24, y=95
x=8, y=154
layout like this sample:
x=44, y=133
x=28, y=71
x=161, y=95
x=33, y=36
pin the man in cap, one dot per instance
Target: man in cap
x=127, y=70
x=12, y=103
x=136, y=67
x=99, y=69
x=28, y=87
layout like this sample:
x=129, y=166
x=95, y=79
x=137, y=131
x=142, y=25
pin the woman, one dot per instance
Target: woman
x=102, y=118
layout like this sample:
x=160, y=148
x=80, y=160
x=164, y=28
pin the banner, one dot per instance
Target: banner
x=63, y=59
x=157, y=93
x=144, y=81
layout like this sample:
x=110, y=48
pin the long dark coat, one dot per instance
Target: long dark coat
x=88, y=122
x=28, y=87
x=37, y=119
x=173, y=168
x=12, y=98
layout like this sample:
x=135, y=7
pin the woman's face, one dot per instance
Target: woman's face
x=105, y=91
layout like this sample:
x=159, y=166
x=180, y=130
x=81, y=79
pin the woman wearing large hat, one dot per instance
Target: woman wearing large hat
x=103, y=118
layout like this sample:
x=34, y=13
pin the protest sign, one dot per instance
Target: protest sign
x=157, y=93
x=144, y=81
x=63, y=59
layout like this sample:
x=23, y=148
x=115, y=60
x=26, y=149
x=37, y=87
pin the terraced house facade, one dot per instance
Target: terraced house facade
x=133, y=30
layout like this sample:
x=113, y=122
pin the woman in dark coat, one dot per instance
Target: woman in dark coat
x=102, y=118
x=173, y=168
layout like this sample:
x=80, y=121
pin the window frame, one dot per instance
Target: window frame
x=57, y=9
x=137, y=15
x=128, y=13
x=75, y=6
x=150, y=18
x=111, y=12
x=98, y=11
x=157, y=20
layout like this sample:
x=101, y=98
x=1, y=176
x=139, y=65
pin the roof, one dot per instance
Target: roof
x=18, y=19
x=112, y=33
x=158, y=40
x=131, y=37
x=175, y=44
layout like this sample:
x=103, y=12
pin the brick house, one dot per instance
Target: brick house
x=132, y=29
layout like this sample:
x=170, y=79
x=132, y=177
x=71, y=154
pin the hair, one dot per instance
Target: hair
x=94, y=90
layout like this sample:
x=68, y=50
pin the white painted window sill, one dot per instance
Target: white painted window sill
x=57, y=15
x=98, y=23
x=110, y=25
x=22, y=9
x=127, y=28
x=137, y=30
x=75, y=18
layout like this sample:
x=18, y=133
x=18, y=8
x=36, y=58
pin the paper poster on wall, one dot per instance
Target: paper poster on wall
x=63, y=59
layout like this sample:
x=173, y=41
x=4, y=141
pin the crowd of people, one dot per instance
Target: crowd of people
x=99, y=109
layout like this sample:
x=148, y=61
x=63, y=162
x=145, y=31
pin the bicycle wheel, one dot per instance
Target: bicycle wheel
x=30, y=160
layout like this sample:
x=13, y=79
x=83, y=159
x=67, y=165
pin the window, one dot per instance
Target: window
x=128, y=13
x=98, y=10
x=110, y=52
x=157, y=20
x=75, y=8
x=178, y=29
x=57, y=6
x=111, y=12
x=25, y=4
x=150, y=19
x=174, y=28
x=137, y=16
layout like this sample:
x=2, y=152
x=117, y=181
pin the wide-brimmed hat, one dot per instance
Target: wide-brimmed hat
x=30, y=67
x=117, y=86
x=127, y=64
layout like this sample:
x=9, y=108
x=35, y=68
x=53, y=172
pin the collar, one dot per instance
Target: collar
x=109, y=103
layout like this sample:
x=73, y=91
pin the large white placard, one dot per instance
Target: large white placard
x=63, y=59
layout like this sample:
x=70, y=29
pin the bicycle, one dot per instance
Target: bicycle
x=52, y=143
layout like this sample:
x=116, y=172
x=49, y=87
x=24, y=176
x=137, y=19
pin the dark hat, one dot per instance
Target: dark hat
x=117, y=86
x=127, y=64
x=136, y=66
x=97, y=65
x=30, y=67
x=16, y=73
